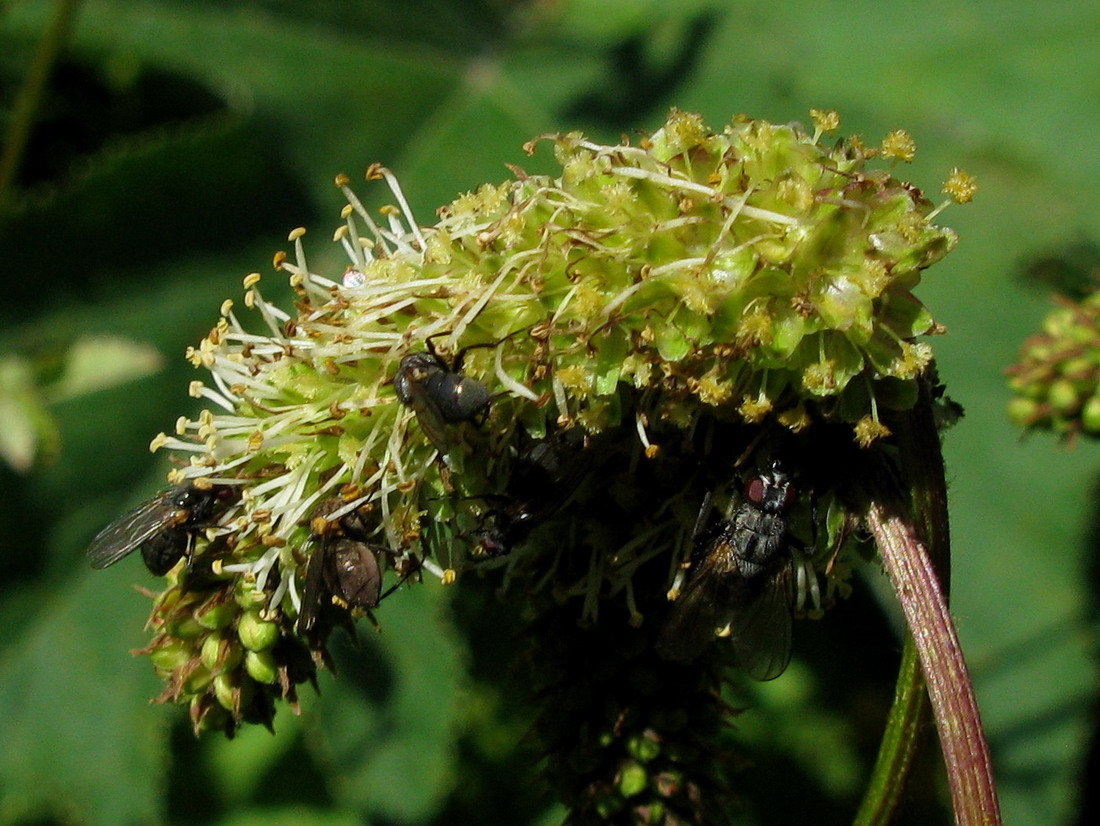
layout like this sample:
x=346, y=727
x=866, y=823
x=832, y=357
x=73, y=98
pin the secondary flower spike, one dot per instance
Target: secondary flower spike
x=396, y=417
x=1056, y=381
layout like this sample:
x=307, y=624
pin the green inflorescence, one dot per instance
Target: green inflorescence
x=1056, y=381
x=720, y=283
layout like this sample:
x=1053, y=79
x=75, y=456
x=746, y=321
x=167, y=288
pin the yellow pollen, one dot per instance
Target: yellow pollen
x=754, y=410
x=899, y=144
x=868, y=430
x=961, y=186
x=825, y=120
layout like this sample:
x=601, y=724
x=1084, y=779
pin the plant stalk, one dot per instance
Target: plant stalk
x=954, y=706
x=28, y=100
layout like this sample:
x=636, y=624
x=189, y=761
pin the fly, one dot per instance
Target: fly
x=741, y=586
x=543, y=478
x=164, y=528
x=344, y=569
x=440, y=394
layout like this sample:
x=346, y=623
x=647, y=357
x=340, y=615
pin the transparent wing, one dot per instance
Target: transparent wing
x=130, y=530
x=760, y=625
x=316, y=592
x=430, y=419
x=701, y=609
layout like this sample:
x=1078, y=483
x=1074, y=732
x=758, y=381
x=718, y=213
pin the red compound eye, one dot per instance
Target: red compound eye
x=754, y=491
x=771, y=491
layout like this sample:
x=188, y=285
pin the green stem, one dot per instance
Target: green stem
x=901, y=742
x=30, y=95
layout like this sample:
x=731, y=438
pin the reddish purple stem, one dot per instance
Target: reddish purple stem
x=966, y=753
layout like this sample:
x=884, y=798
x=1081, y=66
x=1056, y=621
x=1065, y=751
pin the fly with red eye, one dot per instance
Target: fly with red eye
x=771, y=491
x=741, y=586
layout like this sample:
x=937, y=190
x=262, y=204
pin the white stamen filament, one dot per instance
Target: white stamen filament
x=271, y=314
x=263, y=566
x=292, y=592
x=639, y=424
x=217, y=398
x=511, y=384
x=478, y=306
x=395, y=188
x=431, y=567
x=560, y=398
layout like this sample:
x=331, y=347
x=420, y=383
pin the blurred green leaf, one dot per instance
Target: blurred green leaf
x=26, y=429
x=101, y=361
x=389, y=723
x=298, y=815
x=241, y=764
x=79, y=734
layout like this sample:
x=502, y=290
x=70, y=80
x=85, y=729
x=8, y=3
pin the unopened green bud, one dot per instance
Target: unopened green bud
x=1063, y=397
x=1023, y=411
x=643, y=748
x=656, y=813
x=185, y=628
x=1080, y=368
x=227, y=691
x=256, y=634
x=1090, y=415
x=206, y=716
x=220, y=654
x=246, y=595
x=262, y=666
x=171, y=656
x=633, y=780
x=197, y=681
x=216, y=617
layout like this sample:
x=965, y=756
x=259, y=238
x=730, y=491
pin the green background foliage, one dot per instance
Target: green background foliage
x=179, y=142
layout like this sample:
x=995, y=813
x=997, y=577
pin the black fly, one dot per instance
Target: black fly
x=741, y=586
x=440, y=394
x=541, y=481
x=164, y=528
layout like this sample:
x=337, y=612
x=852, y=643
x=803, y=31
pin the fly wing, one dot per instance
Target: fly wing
x=696, y=616
x=760, y=626
x=315, y=596
x=430, y=419
x=132, y=529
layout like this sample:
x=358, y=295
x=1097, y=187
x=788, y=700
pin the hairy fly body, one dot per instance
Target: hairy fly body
x=741, y=586
x=440, y=394
x=344, y=570
x=541, y=481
